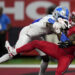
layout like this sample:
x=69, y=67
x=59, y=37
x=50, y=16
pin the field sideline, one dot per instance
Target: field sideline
x=28, y=60
x=30, y=66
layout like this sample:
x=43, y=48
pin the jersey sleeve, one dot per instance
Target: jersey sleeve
x=51, y=21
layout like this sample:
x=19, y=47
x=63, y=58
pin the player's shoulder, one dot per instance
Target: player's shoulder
x=5, y=16
x=51, y=19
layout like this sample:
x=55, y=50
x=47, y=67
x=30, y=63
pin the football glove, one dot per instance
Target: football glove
x=65, y=44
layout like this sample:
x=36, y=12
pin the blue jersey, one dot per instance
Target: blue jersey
x=4, y=21
x=64, y=38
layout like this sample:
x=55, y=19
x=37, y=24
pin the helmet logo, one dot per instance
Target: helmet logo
x=63, y=13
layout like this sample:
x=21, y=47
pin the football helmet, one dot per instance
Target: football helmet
x=61, y=12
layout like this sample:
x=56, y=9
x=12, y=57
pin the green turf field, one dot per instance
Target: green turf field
x=28, y=60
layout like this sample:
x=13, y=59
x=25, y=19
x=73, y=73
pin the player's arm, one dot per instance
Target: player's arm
x=62, y=27
x=59, y=35
x=68, y=43
x=54, y=28
x=50, y=27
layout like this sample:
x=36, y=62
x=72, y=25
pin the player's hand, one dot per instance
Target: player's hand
x=62, y=45
x=65, y=44
x=63, y=22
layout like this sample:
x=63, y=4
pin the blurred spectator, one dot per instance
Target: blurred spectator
x=5, y=25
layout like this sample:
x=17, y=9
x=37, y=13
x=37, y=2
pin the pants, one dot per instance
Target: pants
x=51, y=49
x=2, y=44
x=24, y=39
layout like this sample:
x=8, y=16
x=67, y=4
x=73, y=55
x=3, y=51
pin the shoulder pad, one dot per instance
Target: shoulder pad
x=51, y=19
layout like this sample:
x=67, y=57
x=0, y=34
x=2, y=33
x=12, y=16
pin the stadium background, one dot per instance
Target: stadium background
x=24, y=12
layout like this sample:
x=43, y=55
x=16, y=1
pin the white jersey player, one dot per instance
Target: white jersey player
x=36, y=29
x=43, y=26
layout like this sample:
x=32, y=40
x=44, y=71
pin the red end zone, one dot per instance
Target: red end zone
x=31, y=71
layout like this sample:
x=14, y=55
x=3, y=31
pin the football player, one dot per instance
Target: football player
x=46, y=25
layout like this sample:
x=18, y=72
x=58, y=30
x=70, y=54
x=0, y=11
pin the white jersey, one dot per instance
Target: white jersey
x=39, y=28
x=36, y=29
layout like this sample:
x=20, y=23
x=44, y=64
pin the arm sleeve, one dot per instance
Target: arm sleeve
x=51, y=21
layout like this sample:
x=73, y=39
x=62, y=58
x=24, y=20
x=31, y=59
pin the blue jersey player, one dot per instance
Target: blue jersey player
x=4, y=27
